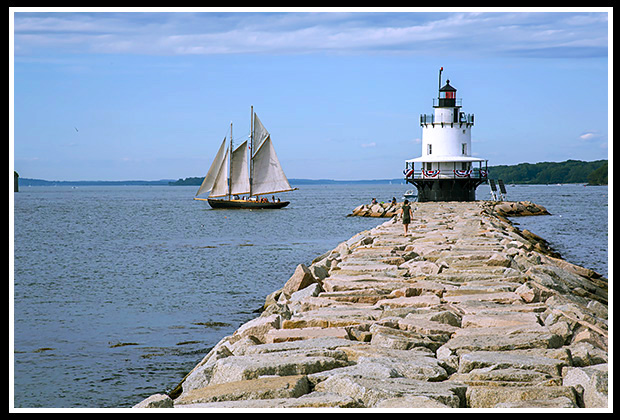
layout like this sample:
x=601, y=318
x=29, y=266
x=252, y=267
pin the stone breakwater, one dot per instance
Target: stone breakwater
x=465, y=311
x=501, y=208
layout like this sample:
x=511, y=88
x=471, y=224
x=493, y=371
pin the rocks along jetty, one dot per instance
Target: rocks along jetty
x=465, y=311
x=501, y=208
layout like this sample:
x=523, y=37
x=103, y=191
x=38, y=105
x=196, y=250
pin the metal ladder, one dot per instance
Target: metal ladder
x=495, y=196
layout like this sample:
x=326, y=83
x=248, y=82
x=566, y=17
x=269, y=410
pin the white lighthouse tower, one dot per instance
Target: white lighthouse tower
x=447, y=171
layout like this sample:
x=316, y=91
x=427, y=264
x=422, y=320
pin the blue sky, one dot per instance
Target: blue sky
x=113, y=95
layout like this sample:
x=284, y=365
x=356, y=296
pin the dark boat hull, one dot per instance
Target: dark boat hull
x=243, y=204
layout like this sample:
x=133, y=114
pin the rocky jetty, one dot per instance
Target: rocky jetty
x=465, y=311
x=376, y=210
x=517, y=208
x=502, y=208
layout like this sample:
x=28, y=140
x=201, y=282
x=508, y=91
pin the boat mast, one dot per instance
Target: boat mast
x=230, y=163
x=251, y=146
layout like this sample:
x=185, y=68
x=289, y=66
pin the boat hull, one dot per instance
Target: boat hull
x=411, y=195
x=244, y=204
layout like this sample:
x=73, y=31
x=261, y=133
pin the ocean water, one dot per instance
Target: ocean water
x=119, y=291
x=578, y=225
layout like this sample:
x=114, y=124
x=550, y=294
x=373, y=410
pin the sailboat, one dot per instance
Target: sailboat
x=233, y=173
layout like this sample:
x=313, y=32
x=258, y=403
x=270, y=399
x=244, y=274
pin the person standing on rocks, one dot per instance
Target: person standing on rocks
x=407, y=215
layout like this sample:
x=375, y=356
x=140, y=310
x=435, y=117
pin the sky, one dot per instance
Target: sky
x=149, y=94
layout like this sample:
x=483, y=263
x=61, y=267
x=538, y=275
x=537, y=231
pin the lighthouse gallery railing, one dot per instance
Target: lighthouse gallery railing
x=473, y=173
x=460, y=118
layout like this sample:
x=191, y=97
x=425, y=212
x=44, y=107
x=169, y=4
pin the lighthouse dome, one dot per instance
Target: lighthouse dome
x=447, y=87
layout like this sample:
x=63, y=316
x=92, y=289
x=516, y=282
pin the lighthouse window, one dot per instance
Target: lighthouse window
x=429, y=149
x=464, y=148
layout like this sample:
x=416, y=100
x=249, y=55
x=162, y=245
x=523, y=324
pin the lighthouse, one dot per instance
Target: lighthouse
x=446, y=171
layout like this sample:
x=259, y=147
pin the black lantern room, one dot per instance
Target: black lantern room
x=447, y=96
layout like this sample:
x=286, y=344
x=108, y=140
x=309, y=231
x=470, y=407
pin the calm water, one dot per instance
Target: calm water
x=120, y=291
x=578, y=225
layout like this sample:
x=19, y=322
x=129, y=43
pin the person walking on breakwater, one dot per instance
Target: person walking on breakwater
x=407, y=215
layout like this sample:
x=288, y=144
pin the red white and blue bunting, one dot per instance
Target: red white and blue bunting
x=462, y=173
x=431, y=173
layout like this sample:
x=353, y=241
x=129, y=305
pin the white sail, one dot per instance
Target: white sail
x=209, y=180
x=240, y=179
x=268, y=175
x=260, y=133
x=220, y=185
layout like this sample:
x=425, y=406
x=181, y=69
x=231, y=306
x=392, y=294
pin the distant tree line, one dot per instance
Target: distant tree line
x=598, y=176
x=187, y=181
x=568, y=172
x=34, y=182
x=298, y=181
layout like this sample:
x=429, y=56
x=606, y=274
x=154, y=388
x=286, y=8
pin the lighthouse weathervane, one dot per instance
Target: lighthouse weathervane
x=447, y=171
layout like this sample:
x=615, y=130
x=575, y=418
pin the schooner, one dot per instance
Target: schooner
x=233, y=173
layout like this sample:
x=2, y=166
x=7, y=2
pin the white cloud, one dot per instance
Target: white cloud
x=590, y=135
x=371, y=144
x=528, y=34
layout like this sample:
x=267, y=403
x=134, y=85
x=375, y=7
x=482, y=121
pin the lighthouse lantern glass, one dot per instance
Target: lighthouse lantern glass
x=447, y=95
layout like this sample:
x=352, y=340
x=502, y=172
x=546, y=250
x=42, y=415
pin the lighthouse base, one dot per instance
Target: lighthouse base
x=453, y=189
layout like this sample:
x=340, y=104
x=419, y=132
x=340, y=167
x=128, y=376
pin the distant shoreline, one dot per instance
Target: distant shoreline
x=25, y=182
x=32, y=182
x=568, y=172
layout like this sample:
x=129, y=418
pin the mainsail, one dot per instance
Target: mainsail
x=240, y=180
x=268, y=174
x=229, y=175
